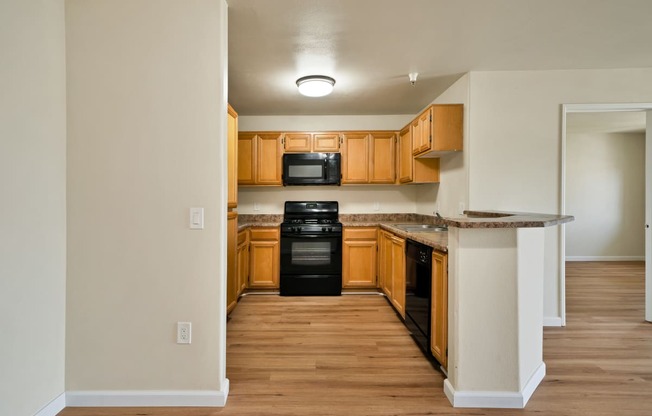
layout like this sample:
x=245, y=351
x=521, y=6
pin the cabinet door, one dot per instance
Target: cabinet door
x=246, y=158
x=447, y=127
x=405, y=157
x=382, y=147
x=232, y=144
x=359, y=257
x=385, y=263
x=355, y=158
x=415, y=132
x=268, y=159
x=231, y=261
x=326, y=142
x=297, y=142
x=242, y=267
x=439, y=308
x=264, y=258
x=398, y=274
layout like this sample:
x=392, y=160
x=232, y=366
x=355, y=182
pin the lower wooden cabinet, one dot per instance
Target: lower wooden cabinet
x=242, y=266
x=264, y=258
x=398, y=274
x=231, y=261
x=391, y=264
x=359, y=249
x=439, y=308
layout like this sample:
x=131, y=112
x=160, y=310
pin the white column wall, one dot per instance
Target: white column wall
x=147, y=141
x=32, y=206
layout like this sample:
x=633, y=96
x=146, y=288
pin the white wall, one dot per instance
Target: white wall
x=352, y=199
x=452, y=190
x=33, y=207
x=147, y=140
x=605, y=191
x=515, y=141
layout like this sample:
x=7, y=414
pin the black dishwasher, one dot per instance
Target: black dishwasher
x=418, y=278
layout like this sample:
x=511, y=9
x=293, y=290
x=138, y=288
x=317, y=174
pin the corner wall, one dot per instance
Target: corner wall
x=452, y=191
x=516, y=143
x=147, y=141
x=33, y=207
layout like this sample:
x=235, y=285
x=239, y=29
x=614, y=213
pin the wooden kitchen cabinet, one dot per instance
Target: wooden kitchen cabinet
x=398, y=274
x=232, y=286
x=438, y=130
x=359, y=251
x=439, y=308
x=355, y=157
x=382, y=151
x=242, y=264
x=259, y=158
x=411, y=169
x=369, y=157
x=385, y=262
x=326, y=142
x=309, y=142
x=264, y=258
x=232, y=158
x=391, y=265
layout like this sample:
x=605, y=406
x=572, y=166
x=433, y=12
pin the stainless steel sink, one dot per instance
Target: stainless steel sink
x=421, y=228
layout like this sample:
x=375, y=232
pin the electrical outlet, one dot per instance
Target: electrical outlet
x=376, y=206
x=256, y=206
x=184, y=332
x=461, y=208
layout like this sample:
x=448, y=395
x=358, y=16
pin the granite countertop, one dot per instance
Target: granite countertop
x=437, y=239
x=503, y=219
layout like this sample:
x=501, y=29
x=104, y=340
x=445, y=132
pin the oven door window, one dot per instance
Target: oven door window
x=311, y=253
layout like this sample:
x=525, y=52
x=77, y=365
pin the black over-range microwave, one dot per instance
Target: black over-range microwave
x=311, y=169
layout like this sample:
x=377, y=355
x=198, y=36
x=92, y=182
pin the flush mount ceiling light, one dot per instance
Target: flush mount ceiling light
x=315, y=85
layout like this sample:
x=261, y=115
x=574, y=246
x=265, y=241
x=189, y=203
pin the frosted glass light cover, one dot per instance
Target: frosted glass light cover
x=315, y=85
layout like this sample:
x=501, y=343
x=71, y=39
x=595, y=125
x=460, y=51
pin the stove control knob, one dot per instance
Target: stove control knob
x=323, y=229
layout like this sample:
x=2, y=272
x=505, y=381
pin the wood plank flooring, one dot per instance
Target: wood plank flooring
x=350, y=355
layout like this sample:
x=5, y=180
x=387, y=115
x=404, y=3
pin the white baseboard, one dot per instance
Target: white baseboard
x=495, y=399
x=148, y=398
x=605, y=258
x=552, y=321
x=54, y=407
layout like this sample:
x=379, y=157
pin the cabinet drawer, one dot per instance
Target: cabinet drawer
x=360, y=233
x=264, y=234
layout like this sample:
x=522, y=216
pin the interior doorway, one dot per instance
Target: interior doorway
x=631, y=117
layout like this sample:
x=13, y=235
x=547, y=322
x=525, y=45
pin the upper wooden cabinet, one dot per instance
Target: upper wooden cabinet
x=259, y=158
x=355, y=157
x=232, y=146
x=438, y=130
x=382, y=151
x=411, y=169
x=324, y=142
x=368, y=157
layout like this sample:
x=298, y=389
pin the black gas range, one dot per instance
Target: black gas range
x=311, y=249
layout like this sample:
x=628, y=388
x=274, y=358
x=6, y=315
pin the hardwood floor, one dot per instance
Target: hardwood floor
x=350, y=355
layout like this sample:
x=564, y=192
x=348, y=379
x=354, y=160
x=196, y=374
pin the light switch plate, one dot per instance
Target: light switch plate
x=196, y=218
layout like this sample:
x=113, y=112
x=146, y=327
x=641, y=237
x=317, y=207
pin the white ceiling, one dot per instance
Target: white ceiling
x=612, y=122
x=370, y=46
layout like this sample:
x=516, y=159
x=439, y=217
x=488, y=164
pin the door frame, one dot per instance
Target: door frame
x=598, y=108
